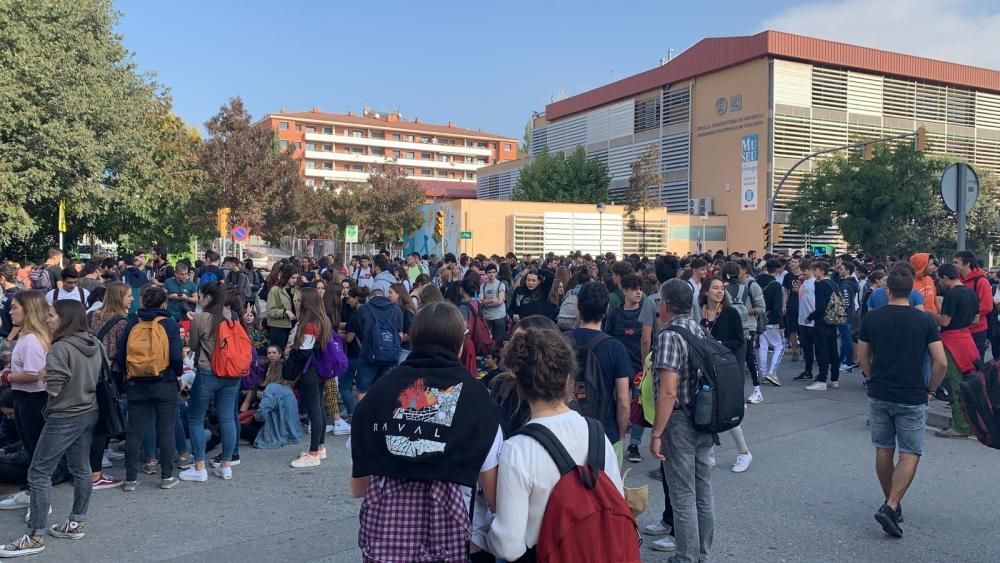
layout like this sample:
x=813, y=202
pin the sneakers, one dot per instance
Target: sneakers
x=69, y=529
x=322, y=452
x=26, y=545
x=340, y=428
x=105, y=462
x=217, y=460
x=130, y=486
x=804, y=376
x=665, y=544
x=950, y=433
x=889, y=521
x=168, y=483
x=151, y=467
x=846, y=368
x=772, y=378
x=755, y=397
x=114, y=455
x=657, y=529
x=105, y=482
x=834, y=385
x=742, y=462
x=185, y=463
x=818, y=386
x=225, y=473
x=306, y=460
x=633, y=454
x=20, y=499
x=193, y=475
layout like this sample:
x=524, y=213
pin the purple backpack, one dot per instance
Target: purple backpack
x=331, y=362
x=256, y=376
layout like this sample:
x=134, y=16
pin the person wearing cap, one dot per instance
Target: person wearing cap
x=68, y=289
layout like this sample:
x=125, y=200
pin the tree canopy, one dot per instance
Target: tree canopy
x=560, y=178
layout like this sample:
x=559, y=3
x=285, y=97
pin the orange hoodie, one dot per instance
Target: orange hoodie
x=924, y=283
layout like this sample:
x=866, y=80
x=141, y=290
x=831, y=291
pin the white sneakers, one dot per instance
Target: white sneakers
x=834, y=385
x=340, y=428
x=105, y=462
x=742, y=462
x=656, y=529
x=20, y=499
x=306, y=460
x=772, y=378
x=755, y=397
x=193, y=474
x=818, y=386
x=664, y=544
x=225, y=473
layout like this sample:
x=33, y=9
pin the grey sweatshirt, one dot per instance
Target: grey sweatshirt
x=72, y=368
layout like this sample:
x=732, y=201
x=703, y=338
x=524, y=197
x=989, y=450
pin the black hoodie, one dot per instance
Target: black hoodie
x=773, y=297
x=428, y=419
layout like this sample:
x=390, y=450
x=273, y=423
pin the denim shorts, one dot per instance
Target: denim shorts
x=897, y=425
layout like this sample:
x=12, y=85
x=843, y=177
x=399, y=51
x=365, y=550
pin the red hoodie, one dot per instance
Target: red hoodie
x=977, y=282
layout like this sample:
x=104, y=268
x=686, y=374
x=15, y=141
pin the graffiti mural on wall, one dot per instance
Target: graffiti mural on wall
x=423, y=241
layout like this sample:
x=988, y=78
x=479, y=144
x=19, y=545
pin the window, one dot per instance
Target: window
x=310, y=146
x=298, y=145
x=310, y=129
x=327, y=166
x=358, y=150
x=357, y=134
x=328, y=130
x=396, y=136
x=425, y=139
x=328, y=147
x=426, y=172
x=507, y=147
x=357, y=168
x=410, y=155
x=482, y=161
x=442, y=173
x=378, y=151
x=426, y=156
x=310, y=165
x=647, y=114
x=409, y=138
x=445, y=158
x=396, y=154
x=284, y=144
x=283, y=125
x=378, y=135
x=310, y=182
x=298, y=126
x=410, y=172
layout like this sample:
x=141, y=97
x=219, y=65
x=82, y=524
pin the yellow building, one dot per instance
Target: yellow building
x=497, y=227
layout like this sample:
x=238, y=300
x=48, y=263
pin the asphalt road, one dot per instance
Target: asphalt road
x=809, y=495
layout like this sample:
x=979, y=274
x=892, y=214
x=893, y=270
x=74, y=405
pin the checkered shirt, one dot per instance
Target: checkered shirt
x=671, y=353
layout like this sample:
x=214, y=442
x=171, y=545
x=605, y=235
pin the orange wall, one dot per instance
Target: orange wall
x=716, y=169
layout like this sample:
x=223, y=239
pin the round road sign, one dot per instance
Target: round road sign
x=240, y=233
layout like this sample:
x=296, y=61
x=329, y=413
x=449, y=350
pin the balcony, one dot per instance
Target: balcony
x=346, y=176
x=405, y=162
x=398, y=145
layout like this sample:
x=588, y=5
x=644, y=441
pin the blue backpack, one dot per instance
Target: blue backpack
x=382, y=343
x=331, y=361
x=208, y=276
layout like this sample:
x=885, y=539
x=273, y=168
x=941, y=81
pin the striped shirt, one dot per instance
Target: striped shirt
x=671, y=353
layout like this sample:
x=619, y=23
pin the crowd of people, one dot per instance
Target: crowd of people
x=470, y=386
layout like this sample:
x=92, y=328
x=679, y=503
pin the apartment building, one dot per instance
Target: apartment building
x=336, y=148
x=731, y=115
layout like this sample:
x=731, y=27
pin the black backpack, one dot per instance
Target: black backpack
x=718, y=402
x=979, y=394
x=233, y=279
x=590, y=394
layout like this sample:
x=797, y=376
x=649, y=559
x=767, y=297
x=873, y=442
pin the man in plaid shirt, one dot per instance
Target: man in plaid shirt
x=683, y=451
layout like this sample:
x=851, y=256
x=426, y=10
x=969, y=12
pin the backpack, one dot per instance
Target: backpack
x=40, y=278
x=739, y=302
x=864, y=300
x=147, y=351
x=569, y=313
x=208, y=275
x=586, y=519
x=718, y=402
x=482, y=338
x=79, y=290
x=233, y=279
x=382, y=341
x=232, y=355
x=836, y=312
x=331, y=361
x=590, y=394
x=979, y=394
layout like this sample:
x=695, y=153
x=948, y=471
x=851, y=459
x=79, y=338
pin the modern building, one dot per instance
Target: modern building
x=528, y=227
x=731, y=115
x=336, y=148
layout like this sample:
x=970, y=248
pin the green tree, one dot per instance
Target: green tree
x=890, y=204
x=524, y=149
x=384, y=209
x=73, y=123
x=643, y=186
x=561, y=178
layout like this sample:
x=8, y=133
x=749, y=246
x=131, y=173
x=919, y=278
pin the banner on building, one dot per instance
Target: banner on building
x=749, y=154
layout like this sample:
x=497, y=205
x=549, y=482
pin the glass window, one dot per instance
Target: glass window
x=283, y=125
x=410, y=172
x=310, y=129
x=328, y=147
x=507, y=147
x=395, y=136
x=426, y=172
x=409, y=138
x=327, y=166
x=357, y=134
x=396, y=154
x=442, y=173
x=310, y=146
x=378, y=151
x=284, y=144
x=310, y=182
x=378, y=135
x=310, y=165
x=328, y=130
x=425, y=139
x=410, y=155
x=426, y=156
x=298, y=126
x=470, y=176
x=358, y=150
x=357, y=168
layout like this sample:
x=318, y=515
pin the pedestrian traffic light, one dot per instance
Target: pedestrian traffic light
x=222, y=220
x=869, y=151
x=767, y=235
x=921, y=139
x=439, y=224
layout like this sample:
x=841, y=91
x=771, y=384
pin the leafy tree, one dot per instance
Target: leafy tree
x=890, y=204
x=525, y=148
x=561, y=178
x=385, y=208
x=243, y=171
x=643, y=186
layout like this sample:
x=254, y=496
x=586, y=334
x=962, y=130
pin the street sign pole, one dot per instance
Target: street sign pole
x=962, y=213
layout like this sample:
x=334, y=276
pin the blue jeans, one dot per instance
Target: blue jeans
x=846, y=345
x=897, y=425
x=345, y=384
x=69, y=436
x=369, y=373
x=207, y=386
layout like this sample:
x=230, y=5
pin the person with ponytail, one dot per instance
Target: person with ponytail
x=310, y=336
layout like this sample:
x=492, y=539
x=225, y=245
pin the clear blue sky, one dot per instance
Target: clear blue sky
x=483, y=65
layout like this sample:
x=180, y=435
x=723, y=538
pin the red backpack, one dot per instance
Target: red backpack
x=480, y=334
x=586, y=519
x=233, y=351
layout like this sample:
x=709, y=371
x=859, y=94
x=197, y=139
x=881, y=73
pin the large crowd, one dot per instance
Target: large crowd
x=471, y=387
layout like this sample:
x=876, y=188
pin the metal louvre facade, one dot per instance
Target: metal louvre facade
x=497, y=186
x=816, y=107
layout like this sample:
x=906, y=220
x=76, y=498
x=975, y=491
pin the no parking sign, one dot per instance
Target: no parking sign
x=240, y=233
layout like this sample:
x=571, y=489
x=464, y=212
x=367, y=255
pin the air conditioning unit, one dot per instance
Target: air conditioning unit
x=700, y=206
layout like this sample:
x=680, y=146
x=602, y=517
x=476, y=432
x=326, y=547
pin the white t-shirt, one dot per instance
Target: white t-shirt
x=807, y=300
x=28, y=356
x=526, y=479
x=73, y=295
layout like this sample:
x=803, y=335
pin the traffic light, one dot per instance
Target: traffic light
x=767, y=236
x=222, y=220
x=869, y=151
x=439, y=224
x=779, y=233
x=921, y=139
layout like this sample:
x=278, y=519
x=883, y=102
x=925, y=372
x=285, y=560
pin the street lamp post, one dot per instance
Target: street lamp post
x=704, y=242
x=600, y=226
